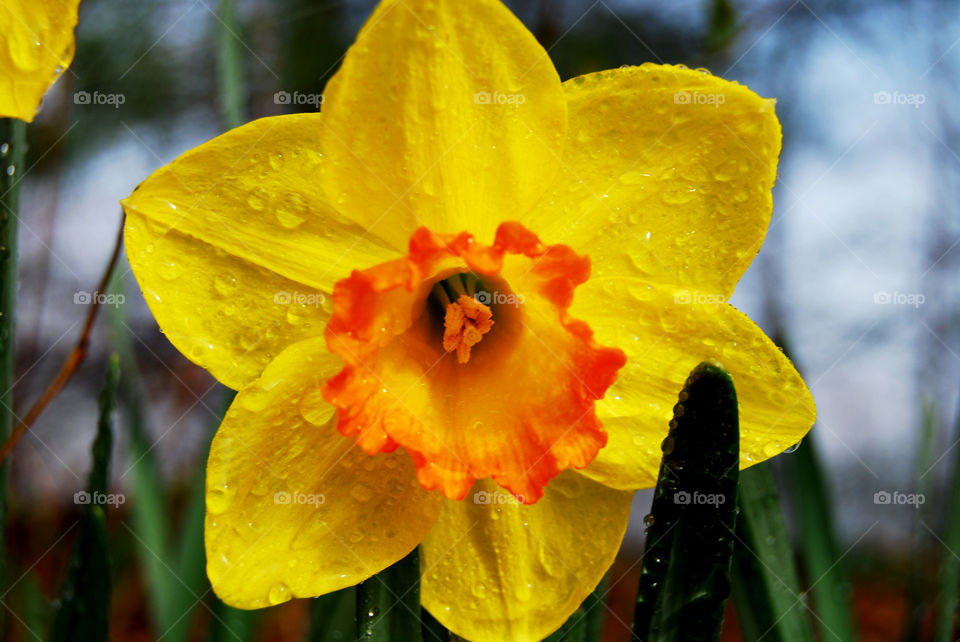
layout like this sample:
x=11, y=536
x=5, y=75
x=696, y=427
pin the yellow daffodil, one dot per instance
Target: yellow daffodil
x=36, y=45
x=458, y=306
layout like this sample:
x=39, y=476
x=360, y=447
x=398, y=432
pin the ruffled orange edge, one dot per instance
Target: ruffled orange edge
x=382, y=329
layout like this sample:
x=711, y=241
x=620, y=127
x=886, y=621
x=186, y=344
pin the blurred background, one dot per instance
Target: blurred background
x=858, y=277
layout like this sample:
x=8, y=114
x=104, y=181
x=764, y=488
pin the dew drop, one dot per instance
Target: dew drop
x=361, y=493
x=257, y=198
x=296, y=314
x=771, y=449
x=278, y=593
x=794, y=448
x=219, y=498
x=648, y=520
x=667, y=445
x=169, y=270
x=523, y=592
x=291, y=212
x=225, y=284
x=254, y=399
x=634, y=178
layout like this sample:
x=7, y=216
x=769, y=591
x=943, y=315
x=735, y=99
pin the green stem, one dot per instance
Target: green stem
x=388, y=604
x=13, y=135
x=819, y=553
x=685, y=577
x=233, y=90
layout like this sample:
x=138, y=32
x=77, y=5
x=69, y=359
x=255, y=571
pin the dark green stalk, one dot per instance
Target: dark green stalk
x=12, y=148
x=949, y=580
x=819, y=554
x=388, y=604
x=85, y=599
x=765, y=588
x=685, y=577
x=233, y=92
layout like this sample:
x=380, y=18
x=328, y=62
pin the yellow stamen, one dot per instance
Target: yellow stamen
x=464, y=325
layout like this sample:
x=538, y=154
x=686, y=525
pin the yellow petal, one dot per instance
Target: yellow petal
x=294, y=509
x=36, y=45
x=666, y=333
x=445, y=113
x=497, y=570
x=236, y=248
x=666, y=175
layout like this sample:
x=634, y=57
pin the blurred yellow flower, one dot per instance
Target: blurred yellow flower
x=492, y=282
x=36, y=45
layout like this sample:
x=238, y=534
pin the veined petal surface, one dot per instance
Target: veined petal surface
x=236, y=248
x=666, y=333
x=445, y=114
x=496, y=570
x=667, y=175
x=36, y=45
x=294, y=509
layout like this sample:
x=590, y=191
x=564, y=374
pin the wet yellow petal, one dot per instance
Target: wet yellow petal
x=236, y=248
x=497, y=570
x=293, y=508
x=666, y=333
x=666, y=175
x=36, y=45
x=445, y=113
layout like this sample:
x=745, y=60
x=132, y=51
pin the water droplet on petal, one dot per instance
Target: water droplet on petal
x=361, y=493
x=278, y=593
x=291, y=211
x=225, y=284
x=219, y=498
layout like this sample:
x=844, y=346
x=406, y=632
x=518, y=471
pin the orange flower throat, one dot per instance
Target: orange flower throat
x=398, y=325
x=466, y=319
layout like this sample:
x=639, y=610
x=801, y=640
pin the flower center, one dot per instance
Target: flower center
x=466, y=318
x=520, y=414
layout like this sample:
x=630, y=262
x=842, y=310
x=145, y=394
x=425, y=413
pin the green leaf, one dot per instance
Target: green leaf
x=333, y=616
x=684, y=580
x=13, y=134
x=191, y=565
x=820, y=556
x=148, y=508
x=388, y=604
x=233, y=625
x=230, y=66
x=765, y=589
x=85, y=600
x=431, y=628
x=949, y=603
